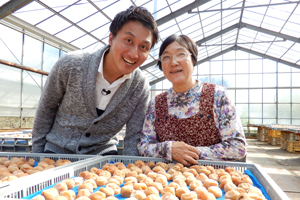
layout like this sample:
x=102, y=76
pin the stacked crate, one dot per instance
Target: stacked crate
x=292, y=140
x=283, y=140
x=30, y=186
x=274, y=136
x=253, y=131
x=263, y=136
x=15, y=142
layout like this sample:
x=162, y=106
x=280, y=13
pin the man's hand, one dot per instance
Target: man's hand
x=184, y=153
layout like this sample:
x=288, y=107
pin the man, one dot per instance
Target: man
x=90, y=96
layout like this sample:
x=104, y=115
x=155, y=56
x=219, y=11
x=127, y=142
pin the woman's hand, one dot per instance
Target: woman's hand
x=184, y=153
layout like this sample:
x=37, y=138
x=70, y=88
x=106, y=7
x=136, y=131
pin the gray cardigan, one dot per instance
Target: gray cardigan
x=66, y=120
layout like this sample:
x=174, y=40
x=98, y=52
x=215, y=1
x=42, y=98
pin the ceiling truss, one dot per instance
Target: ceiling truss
x=14, y=5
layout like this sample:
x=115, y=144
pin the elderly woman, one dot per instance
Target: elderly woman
x=193, y=119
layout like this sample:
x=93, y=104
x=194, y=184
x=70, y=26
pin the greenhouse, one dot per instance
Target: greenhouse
x=251, y=48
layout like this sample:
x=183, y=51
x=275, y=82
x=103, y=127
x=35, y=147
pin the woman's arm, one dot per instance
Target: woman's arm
x=233, y=142
x=149, y=145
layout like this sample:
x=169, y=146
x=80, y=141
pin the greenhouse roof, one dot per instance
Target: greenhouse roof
x=266, y=28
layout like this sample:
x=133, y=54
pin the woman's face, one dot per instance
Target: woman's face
x=178, y=72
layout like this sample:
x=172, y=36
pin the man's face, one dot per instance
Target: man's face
x=130, y=47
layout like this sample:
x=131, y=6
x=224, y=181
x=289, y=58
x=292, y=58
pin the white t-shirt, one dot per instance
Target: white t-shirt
x=101, y=83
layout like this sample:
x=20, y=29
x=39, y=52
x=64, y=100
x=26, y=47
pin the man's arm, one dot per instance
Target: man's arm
x=52, y=95
x=135, y=124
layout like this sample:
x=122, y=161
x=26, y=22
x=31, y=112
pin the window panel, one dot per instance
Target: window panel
x=255, y=66
x=231, y=95
x=51, y=55
x=269, y=80
x=255, y=110
x=269, y=121
x=10, y=87
x=84, y=41
x=70, y=34
x=269, y=95
x=229, y=56
x=62, y=53
x=203, y=78
x=217, y=79
x=284, y=121
x=296, y=95
x=113, y=8
x=189, y=21
x=33, y=13
x=255, y=96
x=284, y=111
x=241, y=96
x=32, y=53
x=242, y=110
x=284, y=79
x=245, y=122
x=296, y=110
x=89, y=25
x=255, y=80
x=254, y=56
x=54, y=24
x=269, y=110
x=269, y=65
x=31, y=89
x=284, y=95
x=216, y=67
x=9, y=112
x=82, y=9
x=229, y=81
x=241, y=80
x=203, y=68
x=295, y=79
x=283, y=68
x=241, y=66
x=102, y=32
x=255, y=121
x=58, y=5
x=167, y=84
x=44, y=79
x=295, y=121
x=228, y=67
x=10, y=44
x=290, y=29
x=28, y=112
x=241, y=55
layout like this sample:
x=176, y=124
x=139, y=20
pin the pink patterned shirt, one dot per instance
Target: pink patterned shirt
x=185, y=105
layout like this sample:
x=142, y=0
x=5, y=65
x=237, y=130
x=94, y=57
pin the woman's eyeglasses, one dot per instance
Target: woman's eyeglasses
x=180, y=56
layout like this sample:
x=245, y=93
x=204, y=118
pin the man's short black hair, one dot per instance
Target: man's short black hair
x=184, y=41
x=140, y=14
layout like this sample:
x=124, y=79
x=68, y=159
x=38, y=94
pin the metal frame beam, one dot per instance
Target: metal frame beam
x=181, y=11
x=22, y=67
x=226, y=30
x=148, y=65
x=69, y=21
x=276, y=34
x=244, y=7
x=216, y=55
x=268, y=57
x=199, y=42
x=38, y=32
x=12, y=6
x=243, y=25
x=157, y=80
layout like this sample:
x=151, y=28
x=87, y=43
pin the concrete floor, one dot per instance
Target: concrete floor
x=282, y=166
